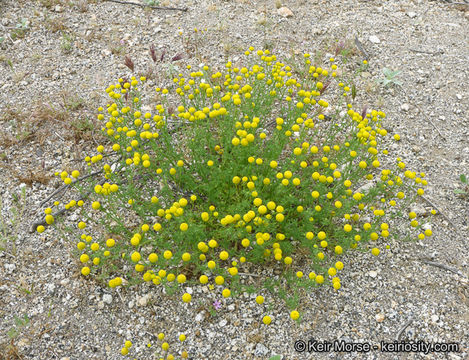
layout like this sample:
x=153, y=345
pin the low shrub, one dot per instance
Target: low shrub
x=266, y=172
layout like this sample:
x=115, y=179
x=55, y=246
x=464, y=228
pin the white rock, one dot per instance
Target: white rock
x=199, y=317
x=435, y=318
x=261, y=350
x=58, y=8
x=223, y=323
x=285, y=12
x=364, y=189
x=418, y=210
x=10, y=268
x=459, y=96
x=189, y=290
x=50, y=288
x=374, y=39
x=405, y=107
x=143, y=301
x=427, y=226
x=373, y=274
x=107, y=298
x=411, y=14
x=380, y=317
x=131, y=304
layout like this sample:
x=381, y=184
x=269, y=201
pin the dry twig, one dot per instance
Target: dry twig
x=360, y=47
x=35, y=224
x=427, y=52
x=442, y=214
x=444, y=267
x=246, y=274
x=149, y=6
x=63, y=187
x=406, y=325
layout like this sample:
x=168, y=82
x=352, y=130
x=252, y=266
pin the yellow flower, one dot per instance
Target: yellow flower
x=295, y=315
x=135, y=257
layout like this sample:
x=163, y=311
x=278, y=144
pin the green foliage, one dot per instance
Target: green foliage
x=67, y=42
x=20, y=324
x=20, y=29
x=151, y=2
x=10, y=225
x=234, y=174
x=390, y=77
x=465, y=190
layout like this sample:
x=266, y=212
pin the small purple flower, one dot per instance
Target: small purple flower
x=217, y=304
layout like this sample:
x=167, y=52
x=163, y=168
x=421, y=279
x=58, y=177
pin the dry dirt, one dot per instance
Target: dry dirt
x=56, y=59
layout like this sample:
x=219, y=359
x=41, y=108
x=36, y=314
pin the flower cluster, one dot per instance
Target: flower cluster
x=253, y=168
x=164, y=351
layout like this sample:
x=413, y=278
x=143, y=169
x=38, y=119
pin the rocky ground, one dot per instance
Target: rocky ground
x=56, y=59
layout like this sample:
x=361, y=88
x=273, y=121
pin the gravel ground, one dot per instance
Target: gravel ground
x=58, y=56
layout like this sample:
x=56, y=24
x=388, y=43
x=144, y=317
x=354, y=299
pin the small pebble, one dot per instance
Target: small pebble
x=380, y=317
x=107, y=298
x=285, y=12
x=374, y=39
